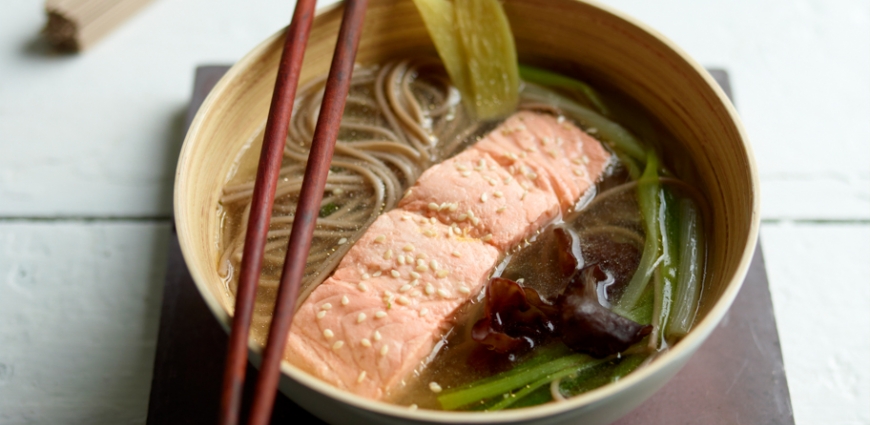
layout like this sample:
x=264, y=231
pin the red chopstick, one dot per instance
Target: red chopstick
x=310, y=197
x=261, y=207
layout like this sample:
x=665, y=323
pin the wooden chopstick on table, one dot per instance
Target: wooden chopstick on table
x=75, y=25
x=310, y=197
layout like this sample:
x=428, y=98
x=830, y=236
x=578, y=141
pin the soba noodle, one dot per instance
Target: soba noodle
x=400, y=118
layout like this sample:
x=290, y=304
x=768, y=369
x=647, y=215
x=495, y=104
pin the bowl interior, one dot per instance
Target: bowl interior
x=568, y=35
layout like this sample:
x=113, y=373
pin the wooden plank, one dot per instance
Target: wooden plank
x=79, y=308
x=823, y=311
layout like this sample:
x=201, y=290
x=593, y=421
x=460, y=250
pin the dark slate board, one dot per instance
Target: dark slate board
x=737, y=376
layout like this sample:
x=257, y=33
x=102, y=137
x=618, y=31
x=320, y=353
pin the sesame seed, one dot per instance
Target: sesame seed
x=388, y=255
x=321, y=314
x=422, y=256
x=365, y=342
x=361, y=377
x=560, y=119
x=433, y=206
x=443, y=293
x=384, y=350
x=508, y=179
x=408, y=248
x=416, y=293
x=521, y=280
x=326, y=306
x=361, y=318
x=475, y=221
x=497, y=194
x=442, y=273
x=424, y=312
x=579, y=172
x=585, y=159
x=362, y=287
x=577, y=161
x=405, y=288
x=412, y=407
x=492, y=181
x=430, y=289
x=501, y=209
x=342, y=241
x=523, y=155
x=406, y=217
x=376, y=336
x=462, y=217
x=380, y=314
x=461, y=167
x=471, y=213
x=376, y=274
x=337, y=345
x=401, y=260
x=452, y=207
x=394, y=273
x=523, y=196
x=464, y=290
x=430, y=233
x=403, y=300
x=483, y=197
x=345, y=300
x=380, y=238
x=328, y=333
x=415, y=275
x=434, y=264
x=434, y=387
x=465, y=173
x=457, y=230
x=487, y=237
x=443, y=206
x=456, y=254
x=422, y=268
x=366, y=276
x=554, y=153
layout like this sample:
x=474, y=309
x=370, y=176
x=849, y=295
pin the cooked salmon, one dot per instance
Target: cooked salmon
x=378, y=317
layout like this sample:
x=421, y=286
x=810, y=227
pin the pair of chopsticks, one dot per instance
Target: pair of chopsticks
x=310, y=197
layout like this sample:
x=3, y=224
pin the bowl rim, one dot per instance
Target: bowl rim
x=699, y=333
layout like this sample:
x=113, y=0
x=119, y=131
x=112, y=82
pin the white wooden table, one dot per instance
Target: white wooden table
x=88, y=146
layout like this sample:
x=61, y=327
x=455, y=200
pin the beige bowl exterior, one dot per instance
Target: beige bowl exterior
x=607, y=45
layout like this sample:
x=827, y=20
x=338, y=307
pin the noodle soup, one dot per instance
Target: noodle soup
x=404, y=117
x=554, y=33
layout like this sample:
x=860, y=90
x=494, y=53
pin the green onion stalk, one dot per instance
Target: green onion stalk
x=554, y=80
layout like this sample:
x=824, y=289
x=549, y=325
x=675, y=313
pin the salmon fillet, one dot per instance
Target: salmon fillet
x=378, y=317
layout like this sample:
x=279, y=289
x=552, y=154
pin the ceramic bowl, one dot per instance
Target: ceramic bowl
x=609, y=47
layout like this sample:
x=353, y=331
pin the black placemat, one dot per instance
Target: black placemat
x=737, y=376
